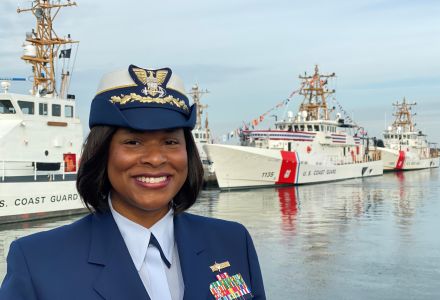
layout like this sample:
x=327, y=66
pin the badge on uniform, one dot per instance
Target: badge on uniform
x=228, y=287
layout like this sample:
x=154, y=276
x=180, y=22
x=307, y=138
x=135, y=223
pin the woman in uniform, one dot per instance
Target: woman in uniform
x=139, y=172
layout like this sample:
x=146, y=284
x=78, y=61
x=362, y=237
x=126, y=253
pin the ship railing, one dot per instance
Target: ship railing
x=15, y=168
x=373, y=155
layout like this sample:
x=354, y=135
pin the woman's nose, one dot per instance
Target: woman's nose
x=154, y=156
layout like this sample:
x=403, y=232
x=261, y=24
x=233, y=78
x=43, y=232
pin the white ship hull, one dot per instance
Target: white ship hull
x=400, y=160
x=201, y=138
x=208, y=170
x=245, y=167
x=21, y=201
x=39, y=159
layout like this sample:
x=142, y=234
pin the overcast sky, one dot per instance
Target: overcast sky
x=249, y=54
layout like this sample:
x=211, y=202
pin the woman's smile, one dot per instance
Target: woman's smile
x=153, y=182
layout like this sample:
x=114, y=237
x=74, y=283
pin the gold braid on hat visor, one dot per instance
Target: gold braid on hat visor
x=124, y=99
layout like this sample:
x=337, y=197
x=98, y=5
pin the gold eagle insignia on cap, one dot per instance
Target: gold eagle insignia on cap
x=152, y=80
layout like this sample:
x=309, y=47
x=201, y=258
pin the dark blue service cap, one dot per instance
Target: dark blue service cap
x=142, y=99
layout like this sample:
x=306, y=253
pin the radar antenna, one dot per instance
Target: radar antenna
x=197, y=94
x=404, y=116
x=44, y=46
x=315, y=92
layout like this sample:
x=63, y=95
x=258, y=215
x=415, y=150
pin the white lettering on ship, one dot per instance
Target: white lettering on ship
x=38, y=200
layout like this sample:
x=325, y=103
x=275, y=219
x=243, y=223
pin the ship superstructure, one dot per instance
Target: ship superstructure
x=202, y=133
x=40, y=133
x=404, y=146
x=314, y=145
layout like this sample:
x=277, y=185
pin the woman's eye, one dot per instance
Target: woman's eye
x=132, y=142
x=171, y=142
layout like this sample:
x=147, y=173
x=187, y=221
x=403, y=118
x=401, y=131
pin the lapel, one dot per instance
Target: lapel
x=193, y=255
x=118, y=278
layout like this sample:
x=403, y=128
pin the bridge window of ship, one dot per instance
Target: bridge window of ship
x=68, y=111
x=42, y=109
x=6, y=107
x=56, y=110
x=301, y=128
x=309, y=128
x=316, y=127
x=26, y=107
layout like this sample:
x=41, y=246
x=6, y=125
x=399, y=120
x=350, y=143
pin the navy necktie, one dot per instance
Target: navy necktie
x=155, y=243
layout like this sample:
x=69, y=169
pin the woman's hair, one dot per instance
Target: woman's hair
x=92, y=179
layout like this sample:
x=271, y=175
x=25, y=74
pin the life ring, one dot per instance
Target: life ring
x=309, y=149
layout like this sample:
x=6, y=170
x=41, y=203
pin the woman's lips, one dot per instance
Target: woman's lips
x=153, y=181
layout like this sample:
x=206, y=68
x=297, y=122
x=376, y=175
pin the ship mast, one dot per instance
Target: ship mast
x=315, y=92
x=403, y=116
x=45, y=44
x=197, y=94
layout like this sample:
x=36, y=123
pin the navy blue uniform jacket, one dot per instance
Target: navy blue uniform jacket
x=88, y=260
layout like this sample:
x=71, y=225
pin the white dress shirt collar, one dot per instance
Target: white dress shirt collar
x=137, y=237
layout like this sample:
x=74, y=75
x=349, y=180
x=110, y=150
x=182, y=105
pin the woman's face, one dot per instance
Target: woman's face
x=146, y=170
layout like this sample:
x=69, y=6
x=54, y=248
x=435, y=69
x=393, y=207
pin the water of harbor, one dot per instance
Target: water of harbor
x=372, y=238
